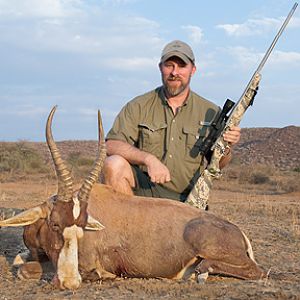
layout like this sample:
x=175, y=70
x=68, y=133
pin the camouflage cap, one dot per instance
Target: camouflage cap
x=179, y=49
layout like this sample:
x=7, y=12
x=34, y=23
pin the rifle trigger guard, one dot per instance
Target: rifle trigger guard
x=221, y=148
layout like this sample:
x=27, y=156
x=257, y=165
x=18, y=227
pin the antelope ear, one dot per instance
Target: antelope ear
x=26, y=217
x=93, y=224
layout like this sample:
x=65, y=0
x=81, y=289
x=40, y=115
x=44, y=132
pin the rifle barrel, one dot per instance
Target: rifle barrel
x=267, y=54
x=276, y=38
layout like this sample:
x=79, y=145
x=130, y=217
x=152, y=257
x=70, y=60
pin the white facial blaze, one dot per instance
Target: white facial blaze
x=76, y=208
x=67, y=265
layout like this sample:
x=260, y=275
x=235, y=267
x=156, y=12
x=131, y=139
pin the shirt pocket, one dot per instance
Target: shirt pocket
x=151, y=138
x=193, y=139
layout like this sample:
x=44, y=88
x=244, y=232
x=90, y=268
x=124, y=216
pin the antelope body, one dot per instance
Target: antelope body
x=99, y=231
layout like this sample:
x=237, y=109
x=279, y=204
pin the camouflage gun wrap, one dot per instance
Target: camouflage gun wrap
x=199, y=195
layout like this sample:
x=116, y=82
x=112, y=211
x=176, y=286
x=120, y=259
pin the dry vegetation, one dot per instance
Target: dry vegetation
x=259, y=178
x=261, y=198
x=23, y=160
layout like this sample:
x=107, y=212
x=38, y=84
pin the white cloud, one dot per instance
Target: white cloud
x=251, y=27
x=286, y=58
x=195, y=33
x=38, y=8
x=131, y=63
x=63, y=26
x=105, y=113
x=244, y=56
x=295, y=22
x=24, y=110
x=247, y=57
x=118, y=2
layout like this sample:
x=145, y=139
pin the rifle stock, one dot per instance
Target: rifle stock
x=199, y=195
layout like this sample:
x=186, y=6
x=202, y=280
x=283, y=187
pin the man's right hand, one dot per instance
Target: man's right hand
x=157, y=171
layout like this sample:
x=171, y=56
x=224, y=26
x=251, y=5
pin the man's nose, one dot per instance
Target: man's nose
x=174, y=71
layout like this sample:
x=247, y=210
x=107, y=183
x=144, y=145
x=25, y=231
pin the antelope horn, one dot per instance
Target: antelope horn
x=65, y=183
x=84, y=192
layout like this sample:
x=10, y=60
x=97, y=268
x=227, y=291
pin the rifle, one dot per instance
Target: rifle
x=214, y=142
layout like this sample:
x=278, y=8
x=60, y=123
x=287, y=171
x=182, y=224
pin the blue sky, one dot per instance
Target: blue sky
x=89, y=55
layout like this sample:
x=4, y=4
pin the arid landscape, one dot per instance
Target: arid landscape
x=259, y=191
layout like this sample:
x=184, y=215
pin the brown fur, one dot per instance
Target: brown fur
x=148, y=237
x=145, y=237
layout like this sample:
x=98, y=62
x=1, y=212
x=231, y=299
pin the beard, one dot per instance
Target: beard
x=173, y=91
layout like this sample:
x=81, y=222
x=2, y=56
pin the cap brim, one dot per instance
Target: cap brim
x=177, y=54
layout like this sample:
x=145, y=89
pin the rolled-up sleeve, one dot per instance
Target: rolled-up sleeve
x=125, y=127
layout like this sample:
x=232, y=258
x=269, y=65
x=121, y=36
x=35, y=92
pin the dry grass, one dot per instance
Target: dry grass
x=19, y=161
x=259, y=179
x=79, y=164
x=268, y=217
x=19, y=158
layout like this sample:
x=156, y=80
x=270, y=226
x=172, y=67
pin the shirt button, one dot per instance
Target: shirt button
x=173, y=121
x=172, y=139
x=170, y=155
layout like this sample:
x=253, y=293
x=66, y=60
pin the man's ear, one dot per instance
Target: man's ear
x=93, y=224
x=194, y=69
x=160, y=65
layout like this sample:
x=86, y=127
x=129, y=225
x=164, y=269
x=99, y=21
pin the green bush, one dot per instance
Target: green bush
x=20, y=158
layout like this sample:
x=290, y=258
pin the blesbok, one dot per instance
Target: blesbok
x=97, y=230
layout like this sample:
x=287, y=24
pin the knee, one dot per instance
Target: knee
x=115, y=164
x=116, y=169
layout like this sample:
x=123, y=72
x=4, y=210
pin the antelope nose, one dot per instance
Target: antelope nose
x=71, y=283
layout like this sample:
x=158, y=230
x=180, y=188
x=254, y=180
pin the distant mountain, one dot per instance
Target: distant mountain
x=279, y=147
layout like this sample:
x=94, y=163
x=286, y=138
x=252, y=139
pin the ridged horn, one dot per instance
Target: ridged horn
x=84, y=192
x=65, y=182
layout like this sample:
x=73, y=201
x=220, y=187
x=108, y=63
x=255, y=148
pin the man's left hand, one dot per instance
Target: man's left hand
x=233, y=135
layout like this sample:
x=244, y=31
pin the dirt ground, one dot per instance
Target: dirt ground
x=272, y=222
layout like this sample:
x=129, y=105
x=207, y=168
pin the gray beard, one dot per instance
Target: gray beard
x=173, y=92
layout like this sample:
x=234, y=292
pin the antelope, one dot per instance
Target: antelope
x=97, y=230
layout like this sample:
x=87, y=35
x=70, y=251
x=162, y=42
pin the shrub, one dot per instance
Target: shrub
x=80, y=165
x=297, y=169
x=20, y=158
x=259, y=178
x=75, y=159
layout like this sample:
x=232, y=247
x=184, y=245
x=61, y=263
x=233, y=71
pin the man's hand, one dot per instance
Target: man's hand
x=233, y=135
x=157, y=171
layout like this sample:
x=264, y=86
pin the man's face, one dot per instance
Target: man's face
x=176, y=75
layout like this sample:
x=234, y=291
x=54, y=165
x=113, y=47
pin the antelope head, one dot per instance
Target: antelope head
x=64, y=216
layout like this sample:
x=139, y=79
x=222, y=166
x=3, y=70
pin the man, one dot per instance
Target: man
x=153, y=146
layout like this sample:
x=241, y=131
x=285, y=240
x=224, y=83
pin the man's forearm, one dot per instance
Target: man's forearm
x=132, y=154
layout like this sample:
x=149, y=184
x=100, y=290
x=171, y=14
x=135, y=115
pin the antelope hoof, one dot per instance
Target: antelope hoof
x=201, y=278
x=30, y=270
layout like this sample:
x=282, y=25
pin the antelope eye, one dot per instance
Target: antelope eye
x=55, y=226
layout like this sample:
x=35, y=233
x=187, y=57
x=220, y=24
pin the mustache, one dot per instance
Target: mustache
x=173, y=78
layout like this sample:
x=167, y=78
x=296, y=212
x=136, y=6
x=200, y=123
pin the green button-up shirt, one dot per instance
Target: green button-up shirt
x=148, y=122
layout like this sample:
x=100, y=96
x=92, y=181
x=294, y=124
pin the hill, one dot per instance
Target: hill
x=278, y=147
